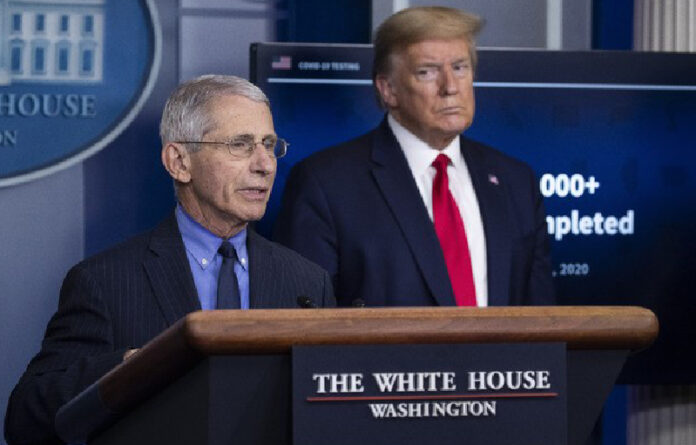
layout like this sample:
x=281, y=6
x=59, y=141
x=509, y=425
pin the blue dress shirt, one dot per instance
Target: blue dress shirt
x=201, y=250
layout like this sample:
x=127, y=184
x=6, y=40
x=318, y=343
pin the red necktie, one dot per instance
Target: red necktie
x=450, y=231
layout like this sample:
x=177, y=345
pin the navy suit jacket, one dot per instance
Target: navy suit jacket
x=355, y=209
x=122, y=298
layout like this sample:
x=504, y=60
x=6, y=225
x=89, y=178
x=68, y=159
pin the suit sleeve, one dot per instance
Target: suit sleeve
x=541, y=289
x=305, y=223
x=76, y=351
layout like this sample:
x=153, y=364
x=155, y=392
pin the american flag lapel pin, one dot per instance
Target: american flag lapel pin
x=493, y=179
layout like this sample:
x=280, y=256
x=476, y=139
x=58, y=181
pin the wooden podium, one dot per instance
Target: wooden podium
x=220, y=377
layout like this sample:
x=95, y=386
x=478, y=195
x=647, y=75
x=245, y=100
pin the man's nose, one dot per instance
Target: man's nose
x=262, y=161
x=448, y=82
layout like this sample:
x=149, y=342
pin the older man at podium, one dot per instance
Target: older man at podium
x=220, y=148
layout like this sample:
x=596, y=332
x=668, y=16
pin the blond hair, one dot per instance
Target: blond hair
x=414, y=25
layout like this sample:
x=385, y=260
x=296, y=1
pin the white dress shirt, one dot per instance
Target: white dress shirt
x=420, y=157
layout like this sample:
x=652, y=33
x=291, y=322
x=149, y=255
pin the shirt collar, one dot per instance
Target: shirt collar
x=419, y=154
x=203, y=245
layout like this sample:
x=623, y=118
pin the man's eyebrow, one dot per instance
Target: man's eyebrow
x=428, y=65
x=242, y=136
x=434, y=63
x=251, y=137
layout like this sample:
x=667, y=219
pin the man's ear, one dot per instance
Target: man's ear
x=177, y=161
x=386, y=90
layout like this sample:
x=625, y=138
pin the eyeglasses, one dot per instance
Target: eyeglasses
x=242, y=147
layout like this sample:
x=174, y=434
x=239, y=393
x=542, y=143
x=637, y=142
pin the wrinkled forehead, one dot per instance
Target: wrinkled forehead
x=234, y=115
x=431, y=50
x=233, y=105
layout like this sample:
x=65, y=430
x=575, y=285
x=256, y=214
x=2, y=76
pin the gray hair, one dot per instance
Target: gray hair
x=186, y=114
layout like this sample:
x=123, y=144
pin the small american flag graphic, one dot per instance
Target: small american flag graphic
x=493, y=179
x=281, y=63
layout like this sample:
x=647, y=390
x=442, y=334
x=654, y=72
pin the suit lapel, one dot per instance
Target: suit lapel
x=261, y=267
x=169, y=272
x=490, y=193
x=395, y=181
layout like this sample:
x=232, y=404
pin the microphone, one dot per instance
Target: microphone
x=358, y=302
x=305, y=302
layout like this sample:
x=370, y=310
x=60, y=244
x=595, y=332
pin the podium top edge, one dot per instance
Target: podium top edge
x=277, y=330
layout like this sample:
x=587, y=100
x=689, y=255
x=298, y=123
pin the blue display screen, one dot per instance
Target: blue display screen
x=611, y=136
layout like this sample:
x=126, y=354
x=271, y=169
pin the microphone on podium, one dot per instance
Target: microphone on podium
x=358, y=302
x=305, y=302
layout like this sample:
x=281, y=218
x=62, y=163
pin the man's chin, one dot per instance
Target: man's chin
x=456, y=124
x=455, y=129
x=255, y=215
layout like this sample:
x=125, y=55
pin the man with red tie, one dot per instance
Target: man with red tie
x=413, y=213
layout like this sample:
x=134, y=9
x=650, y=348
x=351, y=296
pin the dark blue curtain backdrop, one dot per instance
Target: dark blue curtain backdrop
x=612, y=24
x=337, y=21
x=126, y=189
x=349, y=21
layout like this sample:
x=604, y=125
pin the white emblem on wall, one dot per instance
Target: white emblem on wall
x=51, y=41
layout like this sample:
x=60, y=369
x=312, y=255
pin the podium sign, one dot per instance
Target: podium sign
x=386, y=394
x=365, y=376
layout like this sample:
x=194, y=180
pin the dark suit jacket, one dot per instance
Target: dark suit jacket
x=124, y=297
x=355, y=210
